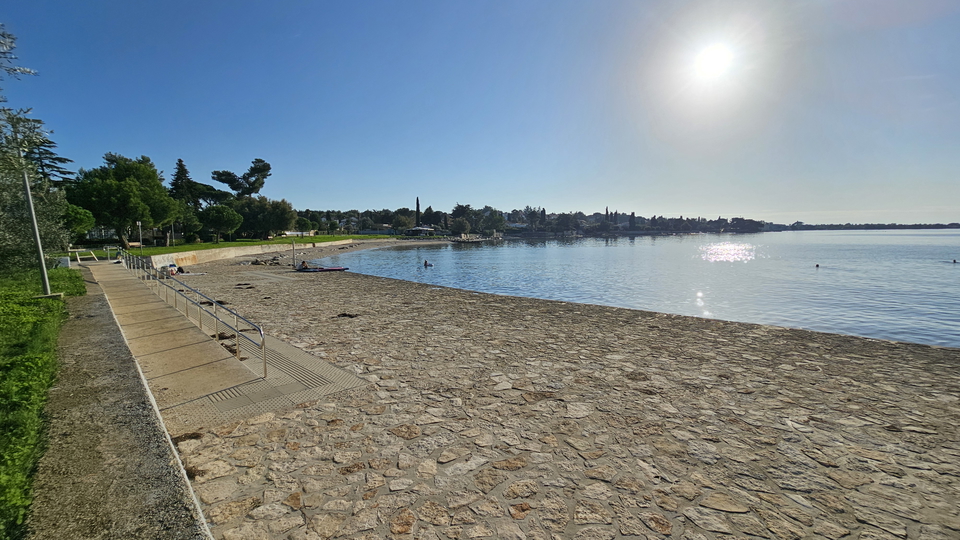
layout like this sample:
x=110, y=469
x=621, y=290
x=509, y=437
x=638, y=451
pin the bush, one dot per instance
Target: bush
x=28, y=363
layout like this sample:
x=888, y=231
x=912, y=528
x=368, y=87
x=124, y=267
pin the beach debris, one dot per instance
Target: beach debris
x=273, y=261
x=346, y=315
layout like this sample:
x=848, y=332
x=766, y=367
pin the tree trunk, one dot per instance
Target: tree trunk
x=124, y=243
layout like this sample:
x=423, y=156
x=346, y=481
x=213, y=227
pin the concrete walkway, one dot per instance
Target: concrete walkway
x=196, y=381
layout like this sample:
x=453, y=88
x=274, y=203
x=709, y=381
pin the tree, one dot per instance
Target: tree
x=19, y=134
x=220, y=219
x=209, y=195
x=533, y=217
x=122, y=192
x=78, y=221
x=460, y=226
x=566, y=222
x=418, y=222
x=401, y=222
x=263, y=217
x=302, y=224
x=187, y=221
x=182, y=187
x=429, y=217
x=250, y=183
x=8, y=42
x=492, y=220
x=49, y=164
x=460, y=211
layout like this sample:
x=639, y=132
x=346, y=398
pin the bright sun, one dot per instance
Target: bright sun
x=713, y=61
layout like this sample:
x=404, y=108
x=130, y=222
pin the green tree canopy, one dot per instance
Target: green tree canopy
x=221, y=220
x=402, y=222
x=492, y=220
x=302, y=224
x=196, y=194
x=8, y=42
x=18, y=135
x=186, y=218
x=460, y=226
x=122, y=192
x=263, y=217
x=182, y=186
x=250, y=183
x=79, y=221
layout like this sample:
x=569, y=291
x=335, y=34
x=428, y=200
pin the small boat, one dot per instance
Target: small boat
x=323, y=269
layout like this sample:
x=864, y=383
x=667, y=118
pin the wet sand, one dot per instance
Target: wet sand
x=497, y=417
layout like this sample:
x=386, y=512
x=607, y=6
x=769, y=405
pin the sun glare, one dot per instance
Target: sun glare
x=713, y=61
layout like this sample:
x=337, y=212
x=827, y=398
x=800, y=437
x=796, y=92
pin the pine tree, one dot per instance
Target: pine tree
x=181, y=186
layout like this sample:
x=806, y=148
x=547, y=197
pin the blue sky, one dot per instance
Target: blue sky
x=824, y=111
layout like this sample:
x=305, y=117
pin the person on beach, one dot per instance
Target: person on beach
x=303, y=265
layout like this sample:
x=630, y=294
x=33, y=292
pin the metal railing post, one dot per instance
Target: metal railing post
x=236, y=333
x=145, y=271
x=263, y=353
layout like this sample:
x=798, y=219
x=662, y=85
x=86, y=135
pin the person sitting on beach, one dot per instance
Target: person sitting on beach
x=303, y=265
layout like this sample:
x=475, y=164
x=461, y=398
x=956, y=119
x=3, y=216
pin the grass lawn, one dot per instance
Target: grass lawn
x=28, y=365
x=285, y=241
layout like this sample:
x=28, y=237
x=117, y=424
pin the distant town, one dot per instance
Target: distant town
x=536, y=221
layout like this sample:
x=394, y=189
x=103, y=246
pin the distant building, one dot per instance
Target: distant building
x=419, y=231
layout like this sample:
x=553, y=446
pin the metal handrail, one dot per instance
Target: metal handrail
x=144, y=267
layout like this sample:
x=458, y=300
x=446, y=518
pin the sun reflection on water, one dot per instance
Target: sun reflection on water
x=728, y=252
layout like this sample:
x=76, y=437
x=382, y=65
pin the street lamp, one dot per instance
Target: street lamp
x=141, y=238
x=33, y=218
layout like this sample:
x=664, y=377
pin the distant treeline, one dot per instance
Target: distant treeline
x=485, y=220
x=800, y=226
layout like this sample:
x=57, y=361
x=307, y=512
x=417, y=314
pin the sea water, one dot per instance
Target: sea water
x=899, y=285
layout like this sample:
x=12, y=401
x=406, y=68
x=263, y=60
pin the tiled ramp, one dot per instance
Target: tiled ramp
x=197, y=382
x=293, y=377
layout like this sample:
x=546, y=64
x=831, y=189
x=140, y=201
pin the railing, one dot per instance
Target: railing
x=189, y=298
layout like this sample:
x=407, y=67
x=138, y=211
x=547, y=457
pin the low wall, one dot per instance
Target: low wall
x=187, y=258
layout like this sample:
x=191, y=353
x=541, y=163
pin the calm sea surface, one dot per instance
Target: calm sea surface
x=899, y=285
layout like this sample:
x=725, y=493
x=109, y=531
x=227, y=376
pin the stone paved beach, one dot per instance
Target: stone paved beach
x=497, y=417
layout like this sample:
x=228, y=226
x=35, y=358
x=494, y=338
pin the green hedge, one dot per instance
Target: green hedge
x=28, y=364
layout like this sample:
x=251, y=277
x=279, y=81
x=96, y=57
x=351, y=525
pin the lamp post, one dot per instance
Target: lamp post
x=141, y=238
x=33, y=218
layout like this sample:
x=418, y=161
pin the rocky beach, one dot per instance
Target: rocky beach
x=489, y=416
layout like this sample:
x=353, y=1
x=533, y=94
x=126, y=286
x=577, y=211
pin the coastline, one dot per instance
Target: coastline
x=496, y=416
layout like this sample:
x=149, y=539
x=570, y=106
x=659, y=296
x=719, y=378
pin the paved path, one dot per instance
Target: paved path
x=109, y=471
x=195, y=380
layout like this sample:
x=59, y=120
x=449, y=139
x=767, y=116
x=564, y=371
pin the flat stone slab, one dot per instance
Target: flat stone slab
x=487, y=416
